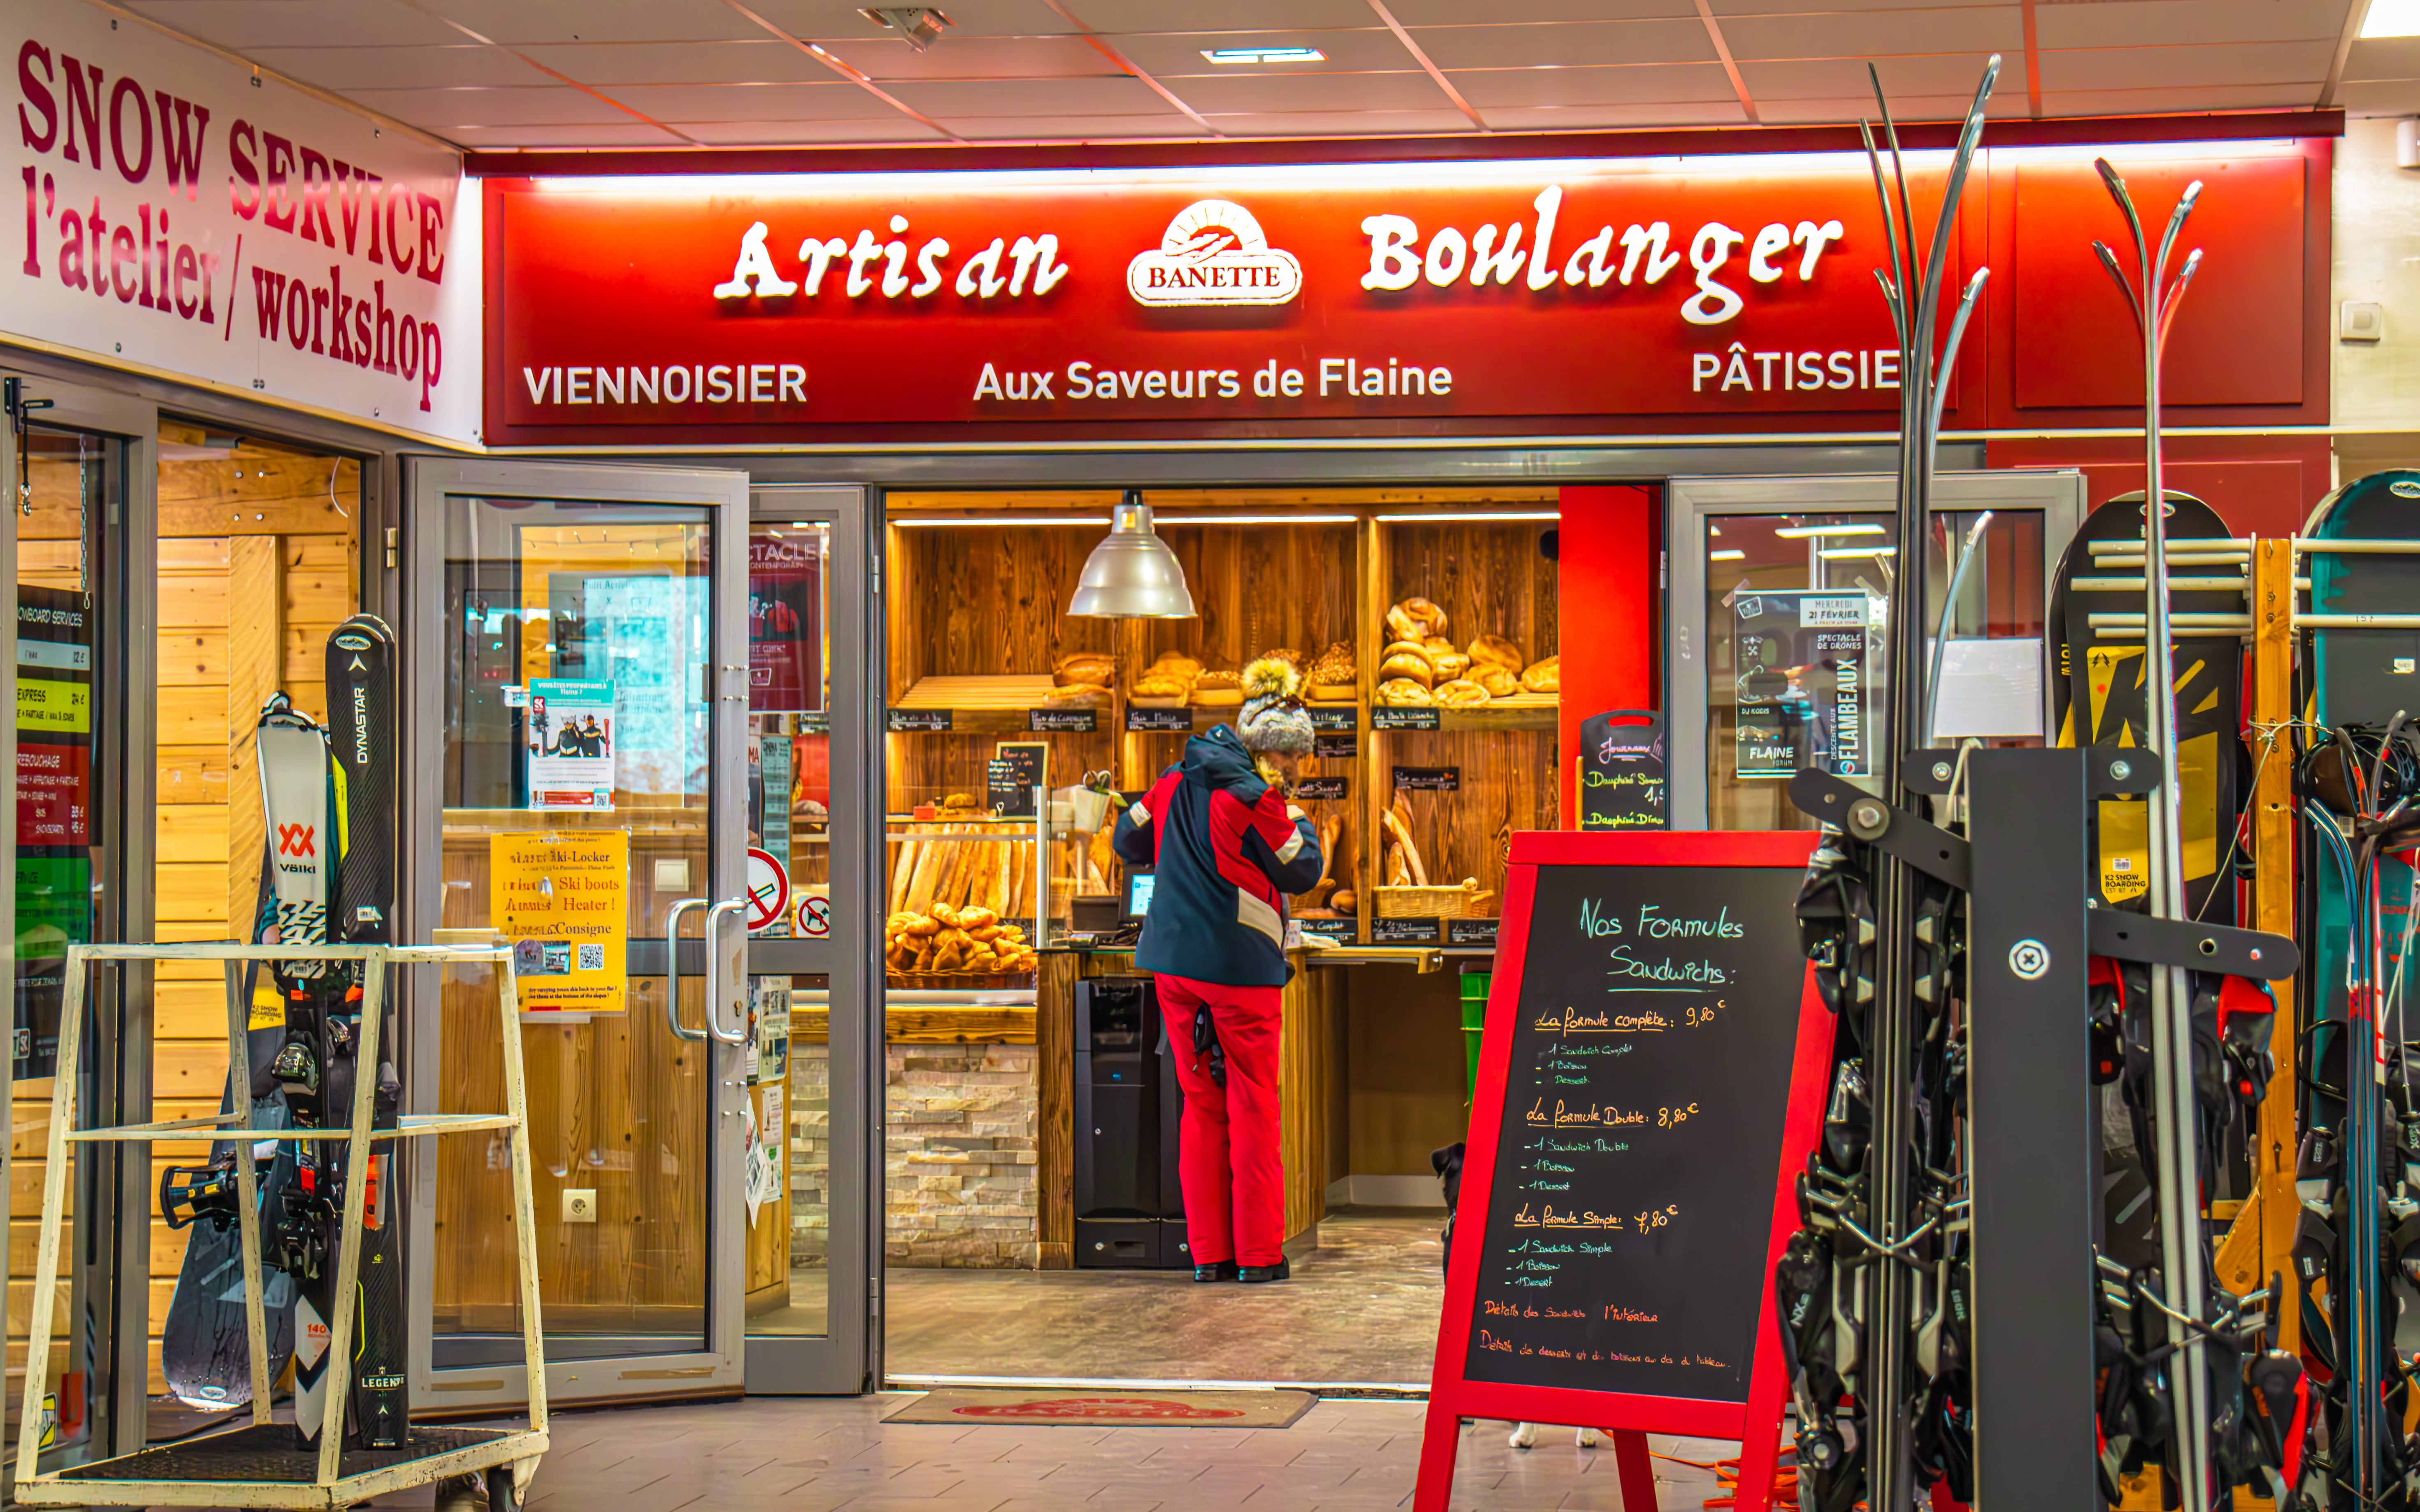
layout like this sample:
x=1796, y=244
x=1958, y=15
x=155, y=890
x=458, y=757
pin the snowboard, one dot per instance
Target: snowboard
x=2101, y=695
x=362, y=698
x=2359, y=676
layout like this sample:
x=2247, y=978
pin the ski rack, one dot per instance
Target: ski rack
x=2235, y=552
x=263, y=1467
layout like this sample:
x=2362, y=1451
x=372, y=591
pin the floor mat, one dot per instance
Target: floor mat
x=1090, y=1407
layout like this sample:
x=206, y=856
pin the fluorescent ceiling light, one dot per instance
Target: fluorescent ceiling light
x=1801, y=532
x=1256, y=519
x=1265, y=55
x=1466, y=519
x=1008, y=519
x=2391, y=17
x=1725, y=556
x=1837, y=553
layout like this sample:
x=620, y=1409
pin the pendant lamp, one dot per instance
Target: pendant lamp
x=1132, y=575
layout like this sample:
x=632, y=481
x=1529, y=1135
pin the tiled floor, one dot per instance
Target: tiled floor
x=835, y=1454
x=1361, y=1307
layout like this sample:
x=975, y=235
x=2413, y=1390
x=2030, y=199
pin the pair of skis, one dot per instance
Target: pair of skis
x=330, y=877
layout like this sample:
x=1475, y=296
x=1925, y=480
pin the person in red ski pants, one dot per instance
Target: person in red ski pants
x=1226, y=850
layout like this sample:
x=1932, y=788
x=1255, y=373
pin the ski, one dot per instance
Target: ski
x=363, y=708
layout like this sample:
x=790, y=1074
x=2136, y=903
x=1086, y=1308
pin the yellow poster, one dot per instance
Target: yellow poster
x=43, y=703
x=563, y=901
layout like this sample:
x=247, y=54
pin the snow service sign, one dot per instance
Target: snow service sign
x=183, y=216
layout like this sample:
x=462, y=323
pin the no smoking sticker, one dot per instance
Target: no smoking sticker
x=768, y=890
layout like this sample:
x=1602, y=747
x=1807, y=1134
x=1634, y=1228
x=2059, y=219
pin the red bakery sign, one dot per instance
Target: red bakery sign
x=749, y=308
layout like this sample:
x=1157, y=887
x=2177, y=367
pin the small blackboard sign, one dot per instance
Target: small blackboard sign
x=1334, y=928
x=1621, y=776
x=1158, y=721
x=814, y=722
x=1063, y=722
x=1347, y=718
x=929, y=721
x=1013, y=777
x=1649, y=1085
x=1402, y=931
x=1312, y=788
x=1402, y=718
x=1336, y=747
x=1470, y=931
x=1429, y=778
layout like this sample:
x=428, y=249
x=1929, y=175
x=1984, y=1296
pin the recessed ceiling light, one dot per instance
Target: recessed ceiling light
x=1265, y=55
x=1725, y=556
x=1801, y=532
x=2391, y=17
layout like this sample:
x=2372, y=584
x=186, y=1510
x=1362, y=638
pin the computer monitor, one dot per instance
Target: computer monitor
x=1139, y=880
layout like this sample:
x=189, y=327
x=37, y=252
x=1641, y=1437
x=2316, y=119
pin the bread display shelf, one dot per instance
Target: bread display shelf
x=1524, y=711
x=992, y=704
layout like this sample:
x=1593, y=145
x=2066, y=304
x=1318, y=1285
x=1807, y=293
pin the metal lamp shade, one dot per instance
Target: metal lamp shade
x=1132, y=575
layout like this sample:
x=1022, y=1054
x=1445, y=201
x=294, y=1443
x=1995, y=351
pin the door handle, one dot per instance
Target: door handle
x=673, y=970
x=714, y=916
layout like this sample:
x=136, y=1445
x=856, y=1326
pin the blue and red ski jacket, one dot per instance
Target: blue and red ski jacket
x=1228, y=849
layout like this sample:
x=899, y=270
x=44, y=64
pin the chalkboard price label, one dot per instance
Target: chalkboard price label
x=1013, y=777
x=1623, y=771
x=1470, y=931
x=1348, y=718
x=1063, y=722
x=922, y=721
x=814, y=722
x=1333, y=929
x=1402, y=718
x=1320, y=787
x=1336, y=747
x=1429, y=778
x=1404, y=931
x=1158, y=721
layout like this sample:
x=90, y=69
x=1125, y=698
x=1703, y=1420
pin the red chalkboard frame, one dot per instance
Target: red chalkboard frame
x=1631, y=1417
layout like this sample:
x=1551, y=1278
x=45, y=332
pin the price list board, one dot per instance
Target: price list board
x=1649, y=1085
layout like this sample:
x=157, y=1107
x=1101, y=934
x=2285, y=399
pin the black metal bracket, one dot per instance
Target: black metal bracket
x=12, y=399
x=1925, y=846
x=2109, y=771
x=2181, y=942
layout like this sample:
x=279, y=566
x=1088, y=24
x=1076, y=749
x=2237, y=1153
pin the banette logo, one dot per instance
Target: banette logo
x=1214, y=253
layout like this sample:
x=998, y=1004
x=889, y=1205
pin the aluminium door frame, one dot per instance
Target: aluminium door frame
x=716, y=1368
x=2057, y=493
x=840, y=1361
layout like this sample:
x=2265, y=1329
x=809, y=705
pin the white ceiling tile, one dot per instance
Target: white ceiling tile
x=837, y=20
x=836, y=100
x=538, y=105
x=1420, y=14
x=396, y=68
x=1489, y=88
x=1119, y=95
x=2382, y=97
x=630, y=134
x=896, y=127
x=2177, y=67
x=1611, y=116
x=1843, y=79
x=606, y=64
x=1979, y=29
x=975, y=57
x=1848, y=110
x=2156, y=22
x=2386, y=57
x=1727, y=9
x=516, y=22
x=2144, y=102
x=1265, y=94
x=1178, y=55
x=242, y=23
x=1665, y=40
x=1072, y=129
x=1344, y=123
x=1117, y=16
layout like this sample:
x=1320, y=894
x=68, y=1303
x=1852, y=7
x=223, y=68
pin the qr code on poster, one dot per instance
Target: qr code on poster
x=591, y=958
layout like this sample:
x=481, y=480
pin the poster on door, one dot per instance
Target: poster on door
x=1805, y=665
x=785, y=596
x=569, y=727
x=563, y=901
x=54, y=794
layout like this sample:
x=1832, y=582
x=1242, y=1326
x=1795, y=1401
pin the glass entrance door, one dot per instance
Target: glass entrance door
x=579, y=785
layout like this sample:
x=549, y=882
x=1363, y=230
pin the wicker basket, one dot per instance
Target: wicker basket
x=1464, y=899
x=958, y=980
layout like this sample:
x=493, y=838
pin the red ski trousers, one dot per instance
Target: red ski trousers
x=1234, y=1183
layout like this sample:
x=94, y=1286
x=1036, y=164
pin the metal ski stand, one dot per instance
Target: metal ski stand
x=258, y=1465
x=2032, y=1111
x=1887, y=1292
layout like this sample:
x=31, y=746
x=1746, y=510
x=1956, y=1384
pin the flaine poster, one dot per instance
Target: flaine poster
x=563, y=901
x=570, y=732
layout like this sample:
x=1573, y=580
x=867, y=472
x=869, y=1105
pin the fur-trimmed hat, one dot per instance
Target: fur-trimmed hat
x=1273, y=721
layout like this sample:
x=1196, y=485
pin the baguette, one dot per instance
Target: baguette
x=1398, y=828
x=928, y=866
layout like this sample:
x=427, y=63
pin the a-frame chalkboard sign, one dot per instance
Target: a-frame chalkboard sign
x=1649, y=1085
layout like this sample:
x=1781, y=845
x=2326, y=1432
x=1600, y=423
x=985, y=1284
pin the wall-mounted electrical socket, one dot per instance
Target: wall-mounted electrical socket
x=2361, y=321
x=672, y=874
x=579, y=1204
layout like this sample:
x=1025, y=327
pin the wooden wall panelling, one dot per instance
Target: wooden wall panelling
x=279, y=493
x=1237, y=501
x=1370, y=638
x=1256, y=587
x=256, y=656
x=1054, y=1061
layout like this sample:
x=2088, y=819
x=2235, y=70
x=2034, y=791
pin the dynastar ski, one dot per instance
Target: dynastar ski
x=362, y=711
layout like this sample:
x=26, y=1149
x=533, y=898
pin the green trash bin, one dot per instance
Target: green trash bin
x=1474, y=1024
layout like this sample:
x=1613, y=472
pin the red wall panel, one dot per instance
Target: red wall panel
x=1611, y=597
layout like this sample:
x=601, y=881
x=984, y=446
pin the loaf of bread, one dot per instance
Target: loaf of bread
x=1077, y=696
x=1498, y=682
x=1495, y=651
x=1544, y=676
x=1176, y=664
x=1085, y=667
x=1460, y=694
x=1404, y=692
x=1408, y=666
x=1415, y=619
x=1219, y=682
